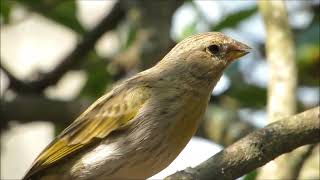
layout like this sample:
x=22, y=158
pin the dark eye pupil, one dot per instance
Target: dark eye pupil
x=214, y=49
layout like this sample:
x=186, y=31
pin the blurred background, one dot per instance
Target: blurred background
x=58, y=56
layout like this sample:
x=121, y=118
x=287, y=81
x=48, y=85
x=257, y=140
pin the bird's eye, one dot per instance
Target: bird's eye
x=214, y=49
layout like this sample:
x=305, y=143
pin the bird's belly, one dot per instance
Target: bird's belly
x=144, y=151
x=138, y=161
x=108, y=162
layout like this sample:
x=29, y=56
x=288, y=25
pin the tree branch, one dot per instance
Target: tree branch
x=74, y=58
x=283, y=77
x=300, y=159
x=14, y=82
x=281, y=58
x=34, y=107
x=258, y=148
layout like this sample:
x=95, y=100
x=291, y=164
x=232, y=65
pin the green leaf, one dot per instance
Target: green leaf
x=189, y=30
x=251, y=176
x=248, y=95
x=309, y=35
x=131, y=37
x=5, y=8
x=97, y=77
x=308, y=54
x=234, y=19
x=65, y=13
x=62, y=12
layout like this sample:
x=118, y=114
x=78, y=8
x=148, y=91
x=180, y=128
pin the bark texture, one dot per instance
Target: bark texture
x=258, y=148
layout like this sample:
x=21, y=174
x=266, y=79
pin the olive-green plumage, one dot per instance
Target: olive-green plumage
x=139, y=127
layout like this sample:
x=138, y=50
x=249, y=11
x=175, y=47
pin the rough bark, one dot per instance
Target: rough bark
x=258, y=148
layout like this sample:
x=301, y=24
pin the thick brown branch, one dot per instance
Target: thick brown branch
x=258, y=148
x=74, y=58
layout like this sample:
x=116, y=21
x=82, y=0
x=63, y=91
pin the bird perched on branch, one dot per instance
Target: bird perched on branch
x=140, y=127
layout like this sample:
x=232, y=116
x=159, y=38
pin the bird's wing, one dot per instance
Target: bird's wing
x=109, y=113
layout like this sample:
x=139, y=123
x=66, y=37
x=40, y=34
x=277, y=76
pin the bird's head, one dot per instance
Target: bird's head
x=206, y=54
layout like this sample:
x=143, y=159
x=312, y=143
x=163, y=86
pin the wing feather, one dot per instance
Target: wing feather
x=108, y=113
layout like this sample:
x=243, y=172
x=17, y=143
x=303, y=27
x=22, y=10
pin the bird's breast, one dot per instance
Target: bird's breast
x=187, y=121
x=176, y=118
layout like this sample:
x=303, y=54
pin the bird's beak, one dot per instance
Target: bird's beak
x=237, y=50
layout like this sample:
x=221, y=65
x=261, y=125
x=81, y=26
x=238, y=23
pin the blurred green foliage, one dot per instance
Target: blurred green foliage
x=189, y=30
x=247, y=95
x=60, y=11
x=130, y=38
x=233, y=19
x=97, y=77
x=251, y=176
x=308, y=54
x=5, y=8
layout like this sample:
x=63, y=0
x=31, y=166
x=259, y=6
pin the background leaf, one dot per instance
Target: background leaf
x=234, y=19
x=5, y=8
x=62, y=12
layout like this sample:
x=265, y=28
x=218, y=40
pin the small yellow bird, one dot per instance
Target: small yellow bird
x=141, y=126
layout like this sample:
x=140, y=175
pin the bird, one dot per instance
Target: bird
x=139, y=127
